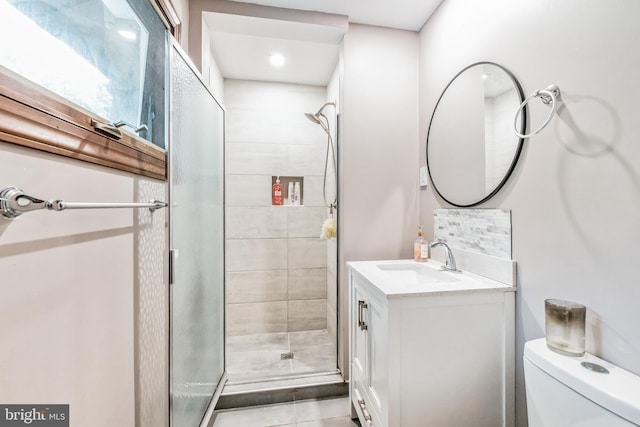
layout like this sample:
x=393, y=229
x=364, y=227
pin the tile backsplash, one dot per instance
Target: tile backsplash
x=483, y=231
x=480, y=240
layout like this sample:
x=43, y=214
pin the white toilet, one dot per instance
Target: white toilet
x=563, y=393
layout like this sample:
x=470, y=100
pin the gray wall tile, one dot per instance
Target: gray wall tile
x=332, y=323
x=256, y=318
x=256, y=222
x=248, y=190
x=306, y=315
x=313, y=190
x=332, y=258
x=256, y=286
x=268, y=135
x=306, y=221
x=332, y=275
x=255, y=158
x=307, y=253
x=256, y=254
x=306, y=159
x=308, y=283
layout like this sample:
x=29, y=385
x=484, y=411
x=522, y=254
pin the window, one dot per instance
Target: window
x=83, y=60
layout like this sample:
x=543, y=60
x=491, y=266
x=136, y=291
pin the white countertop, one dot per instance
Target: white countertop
x=397, y=278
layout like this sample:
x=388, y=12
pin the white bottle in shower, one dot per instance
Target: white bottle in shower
x=296, y=194
x=290, y=194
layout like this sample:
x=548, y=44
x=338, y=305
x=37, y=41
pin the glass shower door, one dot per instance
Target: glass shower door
x=196, y=173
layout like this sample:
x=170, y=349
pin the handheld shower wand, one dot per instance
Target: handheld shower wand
x=317, y=119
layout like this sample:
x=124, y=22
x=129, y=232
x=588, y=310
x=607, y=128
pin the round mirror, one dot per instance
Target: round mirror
x=471, y=145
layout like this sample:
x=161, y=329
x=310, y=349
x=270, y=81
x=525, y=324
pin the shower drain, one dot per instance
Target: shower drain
x=285, y=356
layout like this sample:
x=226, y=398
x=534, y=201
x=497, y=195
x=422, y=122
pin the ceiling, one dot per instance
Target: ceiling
x=242, y=44
x=402, y=14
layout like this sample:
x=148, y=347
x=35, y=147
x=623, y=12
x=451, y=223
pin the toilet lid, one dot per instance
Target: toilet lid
x=618, y=391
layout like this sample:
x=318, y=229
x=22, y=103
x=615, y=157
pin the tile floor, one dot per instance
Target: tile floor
x=255, y=357
x=305, y=413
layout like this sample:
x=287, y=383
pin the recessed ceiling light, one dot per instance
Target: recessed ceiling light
x=277, y=60
x=486, y=76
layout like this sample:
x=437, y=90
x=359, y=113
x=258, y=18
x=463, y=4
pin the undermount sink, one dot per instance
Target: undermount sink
x=415, y=272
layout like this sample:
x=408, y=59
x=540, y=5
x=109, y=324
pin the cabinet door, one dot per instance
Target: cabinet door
x=369, y=353
x=378, y=353
x=359, y=336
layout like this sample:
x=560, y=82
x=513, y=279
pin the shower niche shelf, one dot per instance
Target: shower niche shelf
x=286, y=195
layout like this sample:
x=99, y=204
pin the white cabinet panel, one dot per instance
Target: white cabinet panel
x=417, y=357
x=378, y=374
x=359, y=335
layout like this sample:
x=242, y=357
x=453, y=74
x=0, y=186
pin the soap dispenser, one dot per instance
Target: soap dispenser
x=421, y=247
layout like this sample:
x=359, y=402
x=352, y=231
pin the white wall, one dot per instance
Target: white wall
x=205, y=54
x=84, y=305
x=216, y=81
x=378, y=151
x=211, y=74
x=575, y=195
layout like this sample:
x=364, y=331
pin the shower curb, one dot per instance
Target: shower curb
x=283, y=394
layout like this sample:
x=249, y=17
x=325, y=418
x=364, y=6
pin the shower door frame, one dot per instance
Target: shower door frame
x=172, y=43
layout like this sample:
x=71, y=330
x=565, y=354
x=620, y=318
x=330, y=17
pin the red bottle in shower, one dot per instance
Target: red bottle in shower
x=277, y=193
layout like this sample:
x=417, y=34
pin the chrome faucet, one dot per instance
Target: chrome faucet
x=450, y=262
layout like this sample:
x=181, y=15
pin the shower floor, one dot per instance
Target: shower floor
x=259, y=357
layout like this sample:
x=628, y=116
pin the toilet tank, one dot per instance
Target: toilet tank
x=563, y=393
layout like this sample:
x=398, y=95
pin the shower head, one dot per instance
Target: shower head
x=315, y=117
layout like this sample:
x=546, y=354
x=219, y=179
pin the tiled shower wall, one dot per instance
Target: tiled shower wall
x=276, y=264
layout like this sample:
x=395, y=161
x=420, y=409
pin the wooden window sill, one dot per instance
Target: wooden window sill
x=35, y=119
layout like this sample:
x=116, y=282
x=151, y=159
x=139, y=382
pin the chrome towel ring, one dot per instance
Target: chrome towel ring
x=548, y=95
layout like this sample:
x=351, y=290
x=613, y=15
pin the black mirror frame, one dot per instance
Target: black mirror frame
x=523, y=127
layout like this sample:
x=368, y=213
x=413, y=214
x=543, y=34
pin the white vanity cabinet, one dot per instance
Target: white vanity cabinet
x=369, y=343
x=429, y=354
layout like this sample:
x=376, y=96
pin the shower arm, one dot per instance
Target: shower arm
x=323, y=107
